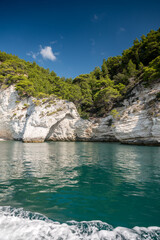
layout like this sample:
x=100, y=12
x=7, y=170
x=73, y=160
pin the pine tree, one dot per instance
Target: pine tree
x=131, y=68
x=104, y=69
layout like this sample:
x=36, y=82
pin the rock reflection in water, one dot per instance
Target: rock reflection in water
x=82, y=181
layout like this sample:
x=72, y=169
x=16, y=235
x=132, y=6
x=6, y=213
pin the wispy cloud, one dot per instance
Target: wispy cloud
x=47, y=53
x=102, y=53
x=93, y=43
x=32, y=54
x=57, y=53
x=95, y=18
x=122, y=29
x=61, y=36
x=53, y=42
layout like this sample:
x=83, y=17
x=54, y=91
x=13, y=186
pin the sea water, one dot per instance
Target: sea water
x=79, y=191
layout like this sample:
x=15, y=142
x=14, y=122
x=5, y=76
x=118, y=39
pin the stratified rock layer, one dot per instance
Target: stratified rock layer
x=32, y=120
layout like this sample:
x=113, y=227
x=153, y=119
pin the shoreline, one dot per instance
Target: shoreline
x=136, y=143
x=3, y=140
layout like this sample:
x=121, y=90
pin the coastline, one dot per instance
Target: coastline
x=134, y=142
x=137, y=120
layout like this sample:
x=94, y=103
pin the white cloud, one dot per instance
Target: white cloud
x=47, y=53
x=32, y=54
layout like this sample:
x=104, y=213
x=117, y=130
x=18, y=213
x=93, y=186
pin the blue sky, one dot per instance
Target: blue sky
x=73, y=37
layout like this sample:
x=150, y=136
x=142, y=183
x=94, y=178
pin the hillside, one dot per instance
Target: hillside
x=94, y=94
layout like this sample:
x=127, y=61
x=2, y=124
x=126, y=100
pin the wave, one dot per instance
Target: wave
x=17, y=224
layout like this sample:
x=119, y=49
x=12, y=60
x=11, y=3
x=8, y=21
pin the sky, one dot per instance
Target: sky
x=73, y=37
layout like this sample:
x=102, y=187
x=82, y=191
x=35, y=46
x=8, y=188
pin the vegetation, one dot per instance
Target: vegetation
x=114, y=113
x=96, y=93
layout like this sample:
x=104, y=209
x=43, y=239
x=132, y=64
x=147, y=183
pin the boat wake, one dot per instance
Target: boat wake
x=17, y=224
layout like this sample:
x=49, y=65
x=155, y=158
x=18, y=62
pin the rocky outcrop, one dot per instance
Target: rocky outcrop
x=137, y=121
x=33, y=120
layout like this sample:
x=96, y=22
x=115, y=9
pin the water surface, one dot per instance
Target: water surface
x=64, y=181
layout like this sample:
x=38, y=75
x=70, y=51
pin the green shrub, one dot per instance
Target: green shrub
x=152, y=72
x=51, y=113
x=115, y=114
x=37, y=102
x=26, y=105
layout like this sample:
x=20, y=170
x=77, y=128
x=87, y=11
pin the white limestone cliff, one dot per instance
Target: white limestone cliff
x=32, y=120
x=139, y=121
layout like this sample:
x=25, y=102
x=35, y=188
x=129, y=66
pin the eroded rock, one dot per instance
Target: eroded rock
x=32, y=120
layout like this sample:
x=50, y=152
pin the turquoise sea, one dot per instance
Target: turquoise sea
x=79, y=190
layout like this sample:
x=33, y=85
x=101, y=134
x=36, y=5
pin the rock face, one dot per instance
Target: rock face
x=32, y=120
x=139, y=121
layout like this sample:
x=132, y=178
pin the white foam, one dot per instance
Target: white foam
x=17, y=224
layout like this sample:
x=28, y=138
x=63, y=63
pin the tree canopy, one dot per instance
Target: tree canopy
x=94, y=93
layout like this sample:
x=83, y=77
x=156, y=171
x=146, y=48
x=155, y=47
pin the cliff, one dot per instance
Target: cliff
x=137, y=120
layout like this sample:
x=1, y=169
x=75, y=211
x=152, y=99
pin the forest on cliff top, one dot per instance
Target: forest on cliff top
x=95, y=93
